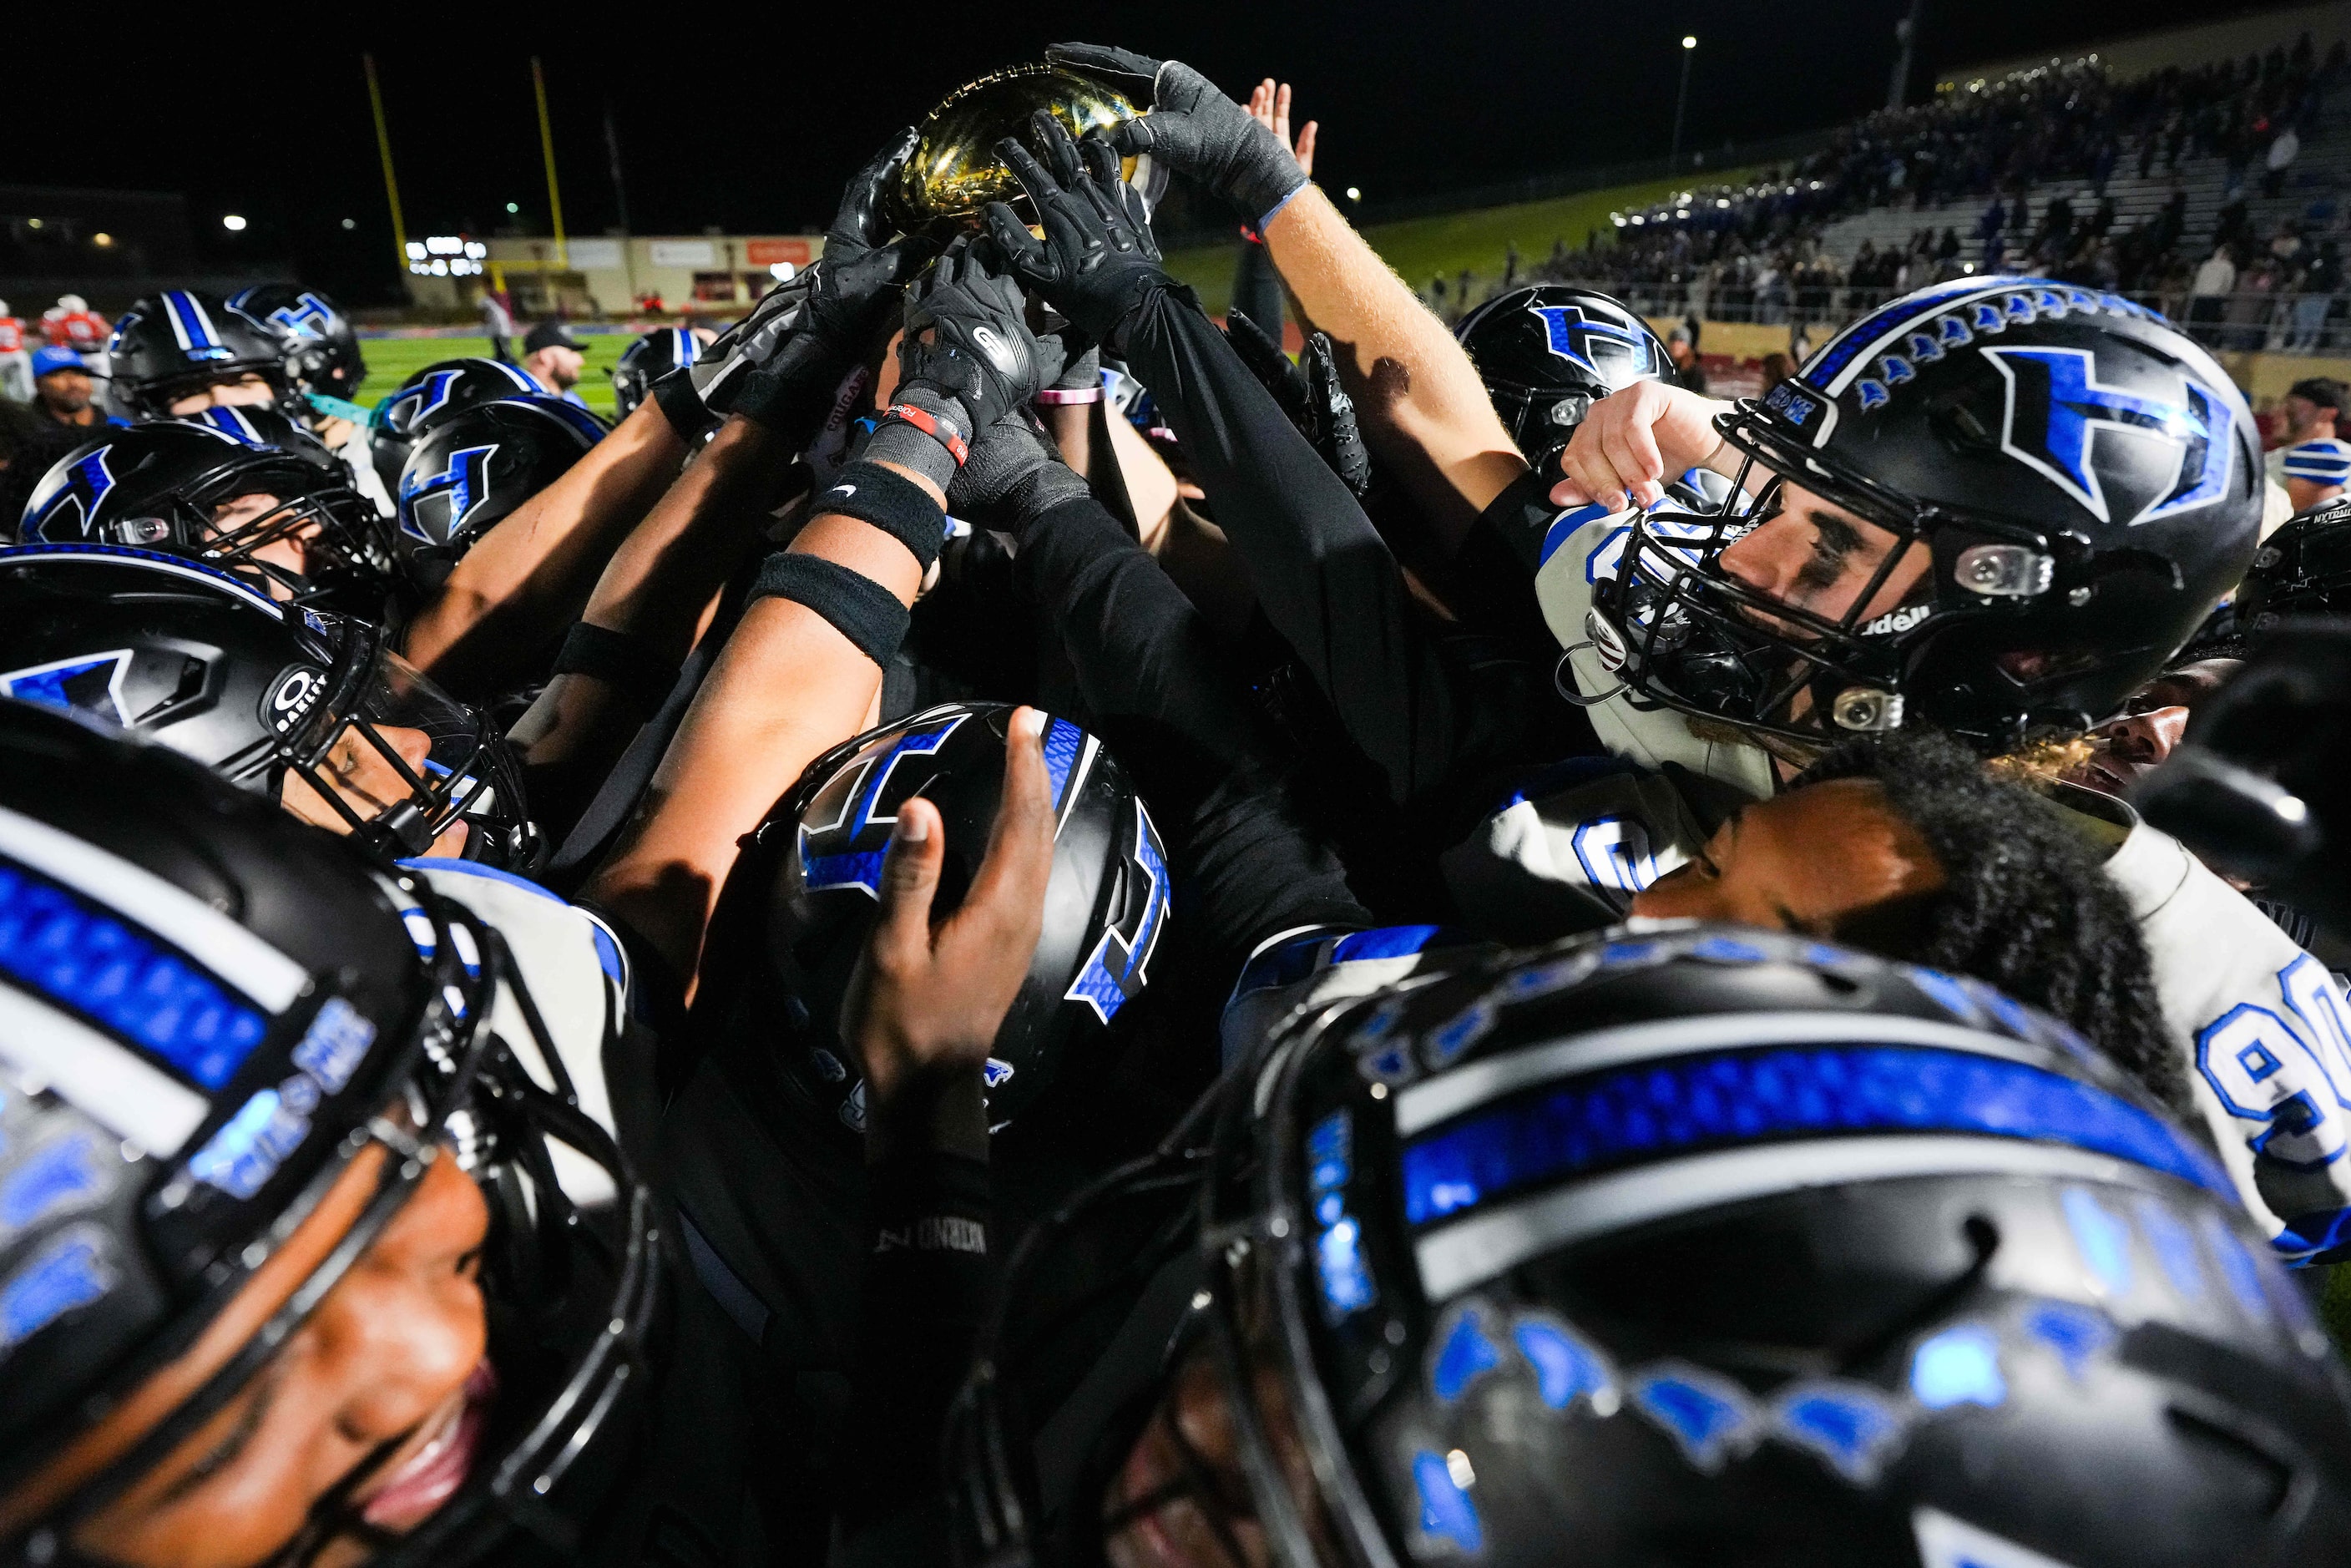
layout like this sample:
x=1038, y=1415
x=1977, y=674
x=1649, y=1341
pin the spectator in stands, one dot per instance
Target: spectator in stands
x=1988, y=230
x=552, y=356
x=2283, y=148
x=1687, y=368
x=2320, y=282
x=2208, y=301
x=61, y=387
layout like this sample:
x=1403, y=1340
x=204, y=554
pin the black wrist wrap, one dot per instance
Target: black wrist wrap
x=619, y=659
x=890, y=502
x=681, y=405
x=856, y=606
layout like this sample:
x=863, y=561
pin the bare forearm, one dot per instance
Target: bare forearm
x=1423, y=409
x=787, y=686
x=658, y=583
x=515, y=589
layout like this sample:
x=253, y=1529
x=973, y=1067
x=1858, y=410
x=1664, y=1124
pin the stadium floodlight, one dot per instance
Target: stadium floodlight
x=1355, y=194
x=1689, y=43
x=1681, y=99
x=101, y=240
x=233, y=222
x=514, y=206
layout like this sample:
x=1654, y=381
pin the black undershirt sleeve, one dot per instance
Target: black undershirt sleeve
x=1161, y=693
x=1325, y=577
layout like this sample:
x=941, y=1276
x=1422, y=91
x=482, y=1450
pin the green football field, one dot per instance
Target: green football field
x=392, y=361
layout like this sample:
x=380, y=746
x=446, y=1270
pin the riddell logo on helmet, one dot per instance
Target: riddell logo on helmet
x=1894, y=620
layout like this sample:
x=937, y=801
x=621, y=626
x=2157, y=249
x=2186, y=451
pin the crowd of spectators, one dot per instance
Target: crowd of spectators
x=1755, y=252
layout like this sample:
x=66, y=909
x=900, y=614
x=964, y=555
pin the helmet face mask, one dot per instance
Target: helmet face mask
x=1691, y=1243
x=312, y=711
x=2071, y=484
x=370, y=1037
x=187, y=486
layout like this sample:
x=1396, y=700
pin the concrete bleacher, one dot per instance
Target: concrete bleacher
x=2319, y=178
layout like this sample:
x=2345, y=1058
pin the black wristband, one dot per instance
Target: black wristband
x=681, y=405
x=890, y=502
x=619, y=659
x=854, y=605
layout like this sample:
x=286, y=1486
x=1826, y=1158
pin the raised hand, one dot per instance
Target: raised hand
x=1195, y=130
x=1632, y=443
x=1098, y=260
x=856, y=284
x=968, y=335
x=929, y=996
x=1268, y=105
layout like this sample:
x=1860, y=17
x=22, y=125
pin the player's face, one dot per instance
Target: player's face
x=366, y=781
x=1817, y=556
x=2151, y=725
x=381, y=1395
x=1182, y=1494
x=245, y=392
x=1805, y=861
x=290, y=552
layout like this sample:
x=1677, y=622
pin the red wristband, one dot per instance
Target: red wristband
x=944, y=435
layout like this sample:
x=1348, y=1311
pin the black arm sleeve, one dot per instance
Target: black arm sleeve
x=1325, y=577
x=925, y=1290
x=1212, y=765
x=1257, y=289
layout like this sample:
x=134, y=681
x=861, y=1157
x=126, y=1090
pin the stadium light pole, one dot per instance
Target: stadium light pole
x=547, y=146
x=383, y=146
x=1681, y=102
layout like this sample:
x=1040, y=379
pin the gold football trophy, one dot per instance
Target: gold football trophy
x=954, y=172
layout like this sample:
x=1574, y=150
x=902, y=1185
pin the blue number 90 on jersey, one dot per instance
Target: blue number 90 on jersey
x=1107, y=906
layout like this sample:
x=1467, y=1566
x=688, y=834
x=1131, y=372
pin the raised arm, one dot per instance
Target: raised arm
x=1425, y=411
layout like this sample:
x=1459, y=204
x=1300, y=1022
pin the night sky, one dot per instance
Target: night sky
x=750, y=118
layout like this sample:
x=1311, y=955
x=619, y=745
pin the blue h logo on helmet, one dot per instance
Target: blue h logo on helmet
x=67, y=511
x=2057, y=407
x=452, y=494
x=308, y=317
x=1572, y=335
x=1114, y=971
x=426, y=396
x=853, y=865
x=89, y=684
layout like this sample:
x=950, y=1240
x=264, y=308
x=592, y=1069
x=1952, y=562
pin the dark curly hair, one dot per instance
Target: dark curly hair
x=2026, y=904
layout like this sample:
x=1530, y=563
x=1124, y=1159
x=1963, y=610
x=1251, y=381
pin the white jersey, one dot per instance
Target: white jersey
x=358, y=454
x=2263, y=1025
x=580, y=981
x=1585, y=545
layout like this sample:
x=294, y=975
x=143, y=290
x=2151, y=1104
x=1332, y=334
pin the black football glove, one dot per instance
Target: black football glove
x=968, y=335
x=1098, y=262
x=1193, y=129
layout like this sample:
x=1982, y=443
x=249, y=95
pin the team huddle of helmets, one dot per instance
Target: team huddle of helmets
x=1003, y=927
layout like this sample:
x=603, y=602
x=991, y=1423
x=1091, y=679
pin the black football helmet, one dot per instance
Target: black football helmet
x=258, y=691
x=2304, y=569
x=322, y=349
x=803, y=899
x=1548, y=353
x=432, y=392
x=180, y=341
x=472, y=467
x=646, y=361
x=2078, y=481
x=161, y=485
x=1702, y=1245
x=213, y=1014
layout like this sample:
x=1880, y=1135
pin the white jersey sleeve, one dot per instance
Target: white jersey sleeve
x=1570, y=850
x=578, y=981
x=1584, y=544
x=359, y=455
x=2262, y=1025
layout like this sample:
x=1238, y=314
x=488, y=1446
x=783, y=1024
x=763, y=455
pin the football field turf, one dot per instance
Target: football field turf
x=392, y=361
